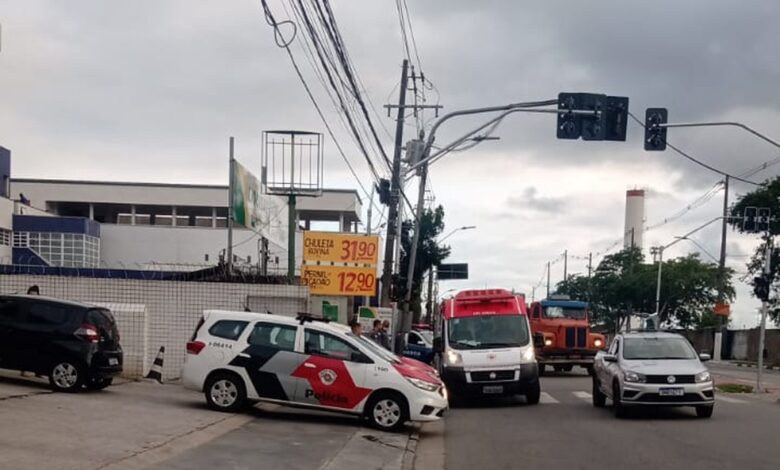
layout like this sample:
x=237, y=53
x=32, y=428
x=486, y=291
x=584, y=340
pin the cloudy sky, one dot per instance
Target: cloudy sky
x=150, y=90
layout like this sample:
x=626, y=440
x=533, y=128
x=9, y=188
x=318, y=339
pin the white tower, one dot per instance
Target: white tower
x=635, y=218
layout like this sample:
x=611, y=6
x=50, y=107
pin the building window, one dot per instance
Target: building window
x=124, y=219
x=75, y=250
x=160, y=219
x=6, y=237
x=203, y=221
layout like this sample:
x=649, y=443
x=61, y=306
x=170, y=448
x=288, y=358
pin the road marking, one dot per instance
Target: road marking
x=583, y=395
x=729, y=399
x=547, y=399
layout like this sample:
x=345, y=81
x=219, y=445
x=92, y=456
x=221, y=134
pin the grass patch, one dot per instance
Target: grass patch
x=734, y=388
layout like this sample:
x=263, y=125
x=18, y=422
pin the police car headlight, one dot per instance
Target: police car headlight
x=634, y=377
x=423, y=385
x=597, y=342
x=528, y=355
x=703, y=377
x=454, y=358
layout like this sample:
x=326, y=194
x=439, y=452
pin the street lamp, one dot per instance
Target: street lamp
x=465, y=227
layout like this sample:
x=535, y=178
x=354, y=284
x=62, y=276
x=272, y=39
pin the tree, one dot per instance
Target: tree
x=623, y=284
x=429, y=253
x=764, y=196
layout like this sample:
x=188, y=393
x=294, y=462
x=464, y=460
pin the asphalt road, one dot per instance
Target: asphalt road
x=566, y=431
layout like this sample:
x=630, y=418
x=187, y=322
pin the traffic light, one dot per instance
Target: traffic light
x=749, y=219
x=604, y=117
x=383, y=188
x=762, y=221
x=761, y=287
x=655, y=136
x=617, y=118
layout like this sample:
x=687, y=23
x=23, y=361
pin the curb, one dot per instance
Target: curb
x=411, y=450
x=753, y=366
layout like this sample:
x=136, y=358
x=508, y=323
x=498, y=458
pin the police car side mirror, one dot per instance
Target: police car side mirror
x=437, y=345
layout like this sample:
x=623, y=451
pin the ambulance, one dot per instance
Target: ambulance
x=236, y=358
x=483, y=345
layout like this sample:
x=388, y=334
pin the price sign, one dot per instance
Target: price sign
x=329, y=247
x=339, y=280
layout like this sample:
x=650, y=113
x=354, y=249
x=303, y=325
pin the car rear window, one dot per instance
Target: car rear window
x=228, y=329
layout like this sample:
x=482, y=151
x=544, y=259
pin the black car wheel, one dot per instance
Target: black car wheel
x=99, y=384
x=705, y=411
x=533, y=394
x=599, y=399
x=387, y=411
x=66, y=376
x=225, y=392
x=617, y=405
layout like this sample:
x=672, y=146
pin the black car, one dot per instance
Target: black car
x=74, y=344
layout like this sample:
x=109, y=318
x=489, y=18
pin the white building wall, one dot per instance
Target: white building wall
x=6, y=223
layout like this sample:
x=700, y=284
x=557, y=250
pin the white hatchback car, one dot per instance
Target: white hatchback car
x=652, y=368
x=238, y=357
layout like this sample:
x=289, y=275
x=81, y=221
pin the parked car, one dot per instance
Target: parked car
x=652, y=369
x=74, y=344
x=239, y=357
x=419, y=345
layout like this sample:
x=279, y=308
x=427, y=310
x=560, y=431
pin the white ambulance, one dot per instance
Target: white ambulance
x=239, y=357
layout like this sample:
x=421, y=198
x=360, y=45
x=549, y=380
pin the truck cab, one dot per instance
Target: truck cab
x=483, y=345
x=561, y=330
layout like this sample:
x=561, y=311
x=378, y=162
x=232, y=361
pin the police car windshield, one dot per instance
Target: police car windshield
x=657, y=348
x=376, y=349
x=488, y=331
x=565, y=312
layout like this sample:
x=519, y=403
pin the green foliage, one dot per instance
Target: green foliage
x=734, y=388
x=429, y=254
x=763, y=196
x=624, y=284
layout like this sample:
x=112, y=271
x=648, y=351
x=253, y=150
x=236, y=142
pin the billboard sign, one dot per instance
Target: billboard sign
x=246, y=197
x=339, y=280
x=337, y=263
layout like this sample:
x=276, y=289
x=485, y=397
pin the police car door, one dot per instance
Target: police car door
x=334, y=372
x=270, y=359
x=416, y=347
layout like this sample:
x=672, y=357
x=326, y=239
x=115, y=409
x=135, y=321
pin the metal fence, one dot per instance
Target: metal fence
x=159, y=309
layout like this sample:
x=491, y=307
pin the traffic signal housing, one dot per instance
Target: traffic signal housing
x=762, y=219
x=616, y=118
x=655, y=135
x=383, y=188
x=604, y=117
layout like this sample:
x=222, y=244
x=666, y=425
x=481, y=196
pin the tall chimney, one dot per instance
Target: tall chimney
x=635, y=218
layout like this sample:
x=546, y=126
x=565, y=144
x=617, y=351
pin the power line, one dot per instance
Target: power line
x=698, y=162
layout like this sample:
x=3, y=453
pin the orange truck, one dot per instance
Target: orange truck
x=561, y=330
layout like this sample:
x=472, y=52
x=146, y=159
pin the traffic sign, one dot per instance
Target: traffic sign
x=339, y=280
x=339, y=247
x=722, y=309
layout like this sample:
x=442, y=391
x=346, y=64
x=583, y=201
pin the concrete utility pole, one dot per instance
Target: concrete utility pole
x=565, y=264
x=407, y=317
x=367, y=299
x=722, y=325
x=548, y=279
x=764, y=308
x=395, y=188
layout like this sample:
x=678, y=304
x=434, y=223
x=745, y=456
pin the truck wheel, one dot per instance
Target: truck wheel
x=568, y=368
x=533, y=394
x=558, y=368
x=599, y=399
x=589, y=369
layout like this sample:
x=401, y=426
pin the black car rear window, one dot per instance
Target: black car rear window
x=228, y=329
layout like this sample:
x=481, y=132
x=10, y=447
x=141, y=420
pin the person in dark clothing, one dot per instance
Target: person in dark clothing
x=34, y=290
x=379, y=335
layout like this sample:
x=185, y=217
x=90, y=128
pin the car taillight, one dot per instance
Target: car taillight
x=88, y=333
x=195, y=347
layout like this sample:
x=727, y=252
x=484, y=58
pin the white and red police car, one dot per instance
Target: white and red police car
x=239, y=357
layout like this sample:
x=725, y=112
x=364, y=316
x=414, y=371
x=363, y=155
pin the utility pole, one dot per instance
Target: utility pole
x=722, y=266
x=367, y=299
x=764, y=308
x=395, y=198
x=230, y=212
x=430, y=303
x=590, y=271
x=407, y=317
x=565, y=264
x=548, y=279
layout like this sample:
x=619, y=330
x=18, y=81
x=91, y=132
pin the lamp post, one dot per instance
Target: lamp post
x=429, y=305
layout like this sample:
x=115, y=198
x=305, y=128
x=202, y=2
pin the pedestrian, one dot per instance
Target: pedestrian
x=34, y=290
x=357, y=328
x=386, y=330
x=379, y=335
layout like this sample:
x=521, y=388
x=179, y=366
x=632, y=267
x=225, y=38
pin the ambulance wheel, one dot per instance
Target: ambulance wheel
x=225, y=392
x=533, y=394
x=541, y=369
x=387, y=411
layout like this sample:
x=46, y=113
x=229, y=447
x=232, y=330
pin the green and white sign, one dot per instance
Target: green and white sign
x=246, y=197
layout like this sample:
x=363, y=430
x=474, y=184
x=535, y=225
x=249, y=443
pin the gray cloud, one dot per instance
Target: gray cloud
x=529, y=200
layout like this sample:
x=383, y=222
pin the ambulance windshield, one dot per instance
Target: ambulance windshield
x=488, y=331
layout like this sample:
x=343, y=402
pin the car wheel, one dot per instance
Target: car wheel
x=99, y=384
x=387, y=411
x=599, y=399
x=66, y=376
x=542, y=368
x=533, y=394
x=617, y=405
x=705, y=411
x=225, y=392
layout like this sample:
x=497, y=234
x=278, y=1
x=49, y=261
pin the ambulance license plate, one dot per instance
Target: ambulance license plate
x=492, y=389
x=112, y=361
x=671, y=392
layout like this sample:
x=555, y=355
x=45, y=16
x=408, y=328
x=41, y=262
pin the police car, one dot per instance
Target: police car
x=239, y=357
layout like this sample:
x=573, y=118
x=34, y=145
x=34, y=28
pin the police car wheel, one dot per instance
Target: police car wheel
x=225, y=392
x=66, y=376
x=387, y=411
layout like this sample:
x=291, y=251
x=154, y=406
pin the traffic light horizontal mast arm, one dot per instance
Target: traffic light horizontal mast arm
x=724, y=123
x=683, y=237
x=508, y=109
